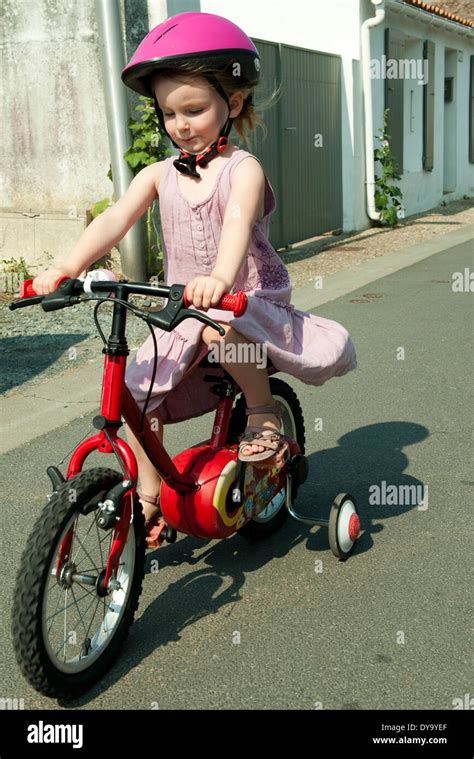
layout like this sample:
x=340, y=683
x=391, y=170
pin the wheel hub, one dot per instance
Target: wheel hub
x=66, y=578
x=354, y=527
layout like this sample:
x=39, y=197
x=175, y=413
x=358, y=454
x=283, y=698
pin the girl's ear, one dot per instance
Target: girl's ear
x=236, y=102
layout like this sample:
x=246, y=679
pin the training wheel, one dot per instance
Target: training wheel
x=344, y=525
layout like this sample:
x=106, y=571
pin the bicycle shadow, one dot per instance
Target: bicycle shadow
x=362, y=461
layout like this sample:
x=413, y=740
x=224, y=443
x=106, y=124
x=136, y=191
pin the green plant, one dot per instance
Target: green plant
x=387, y=196
x=100, y=206
x=148, y=147
x=12, y=274
x=13, y=266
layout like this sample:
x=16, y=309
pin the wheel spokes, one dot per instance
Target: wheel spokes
x=95, y=615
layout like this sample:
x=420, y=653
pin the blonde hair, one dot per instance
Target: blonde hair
x=249, y=117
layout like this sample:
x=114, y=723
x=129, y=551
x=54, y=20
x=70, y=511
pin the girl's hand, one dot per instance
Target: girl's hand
x=204, y=292
x=45, y=283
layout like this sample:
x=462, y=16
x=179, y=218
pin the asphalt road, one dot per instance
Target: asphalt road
x=389, y=629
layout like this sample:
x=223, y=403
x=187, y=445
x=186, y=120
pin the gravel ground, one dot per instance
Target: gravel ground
x=327, y=254
x=36, y=345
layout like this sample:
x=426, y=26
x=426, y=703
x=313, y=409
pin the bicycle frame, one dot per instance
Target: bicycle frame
x=117, y=402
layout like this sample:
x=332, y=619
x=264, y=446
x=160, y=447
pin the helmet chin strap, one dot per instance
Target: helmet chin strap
x=187, y=161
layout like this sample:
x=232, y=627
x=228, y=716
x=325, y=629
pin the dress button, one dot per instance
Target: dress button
x=201, y=245
x=199, y=227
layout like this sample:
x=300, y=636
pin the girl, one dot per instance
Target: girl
x=201, y=71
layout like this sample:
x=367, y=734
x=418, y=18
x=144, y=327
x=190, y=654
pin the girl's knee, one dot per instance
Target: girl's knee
x=209, y=334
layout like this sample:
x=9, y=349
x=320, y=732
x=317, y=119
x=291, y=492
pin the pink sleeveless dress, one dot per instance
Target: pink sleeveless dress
x=309, y=347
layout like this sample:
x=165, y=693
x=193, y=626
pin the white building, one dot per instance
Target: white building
x=55, y=153
x=336, y=27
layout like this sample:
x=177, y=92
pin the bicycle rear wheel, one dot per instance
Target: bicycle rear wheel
x=67, y=628
x=292, y=424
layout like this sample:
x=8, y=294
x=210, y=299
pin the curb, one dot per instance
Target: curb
x=43, y=407
x=346, y=281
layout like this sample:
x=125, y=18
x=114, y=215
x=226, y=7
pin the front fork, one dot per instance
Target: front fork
x=117, y=506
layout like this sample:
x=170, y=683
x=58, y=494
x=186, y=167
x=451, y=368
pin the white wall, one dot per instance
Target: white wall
x=421, y=189
x=324, y=25
x=54, y=135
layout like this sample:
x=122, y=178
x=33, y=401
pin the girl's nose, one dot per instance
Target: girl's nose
x=182, y=125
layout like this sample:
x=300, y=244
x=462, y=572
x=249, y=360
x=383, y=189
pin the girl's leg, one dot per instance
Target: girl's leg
x=253, y=381
x=149, y=479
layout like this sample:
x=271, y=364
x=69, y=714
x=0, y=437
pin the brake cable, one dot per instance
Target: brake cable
x=140, y=315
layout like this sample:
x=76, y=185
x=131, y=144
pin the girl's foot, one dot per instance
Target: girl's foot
x=261, y=422
x=150, y=506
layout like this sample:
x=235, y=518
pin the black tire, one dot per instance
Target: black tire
x=32, y=649
x=283, y=393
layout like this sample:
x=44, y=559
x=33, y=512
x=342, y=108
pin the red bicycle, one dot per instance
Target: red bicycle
x=82, y=569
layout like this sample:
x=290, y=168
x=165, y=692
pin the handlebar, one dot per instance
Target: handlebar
x=236, y=303
x=68, y=291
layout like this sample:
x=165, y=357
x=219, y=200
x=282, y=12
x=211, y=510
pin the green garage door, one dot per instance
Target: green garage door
x=302, y=153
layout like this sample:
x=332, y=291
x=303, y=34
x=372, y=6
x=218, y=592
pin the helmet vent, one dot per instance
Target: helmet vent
x=166, y=32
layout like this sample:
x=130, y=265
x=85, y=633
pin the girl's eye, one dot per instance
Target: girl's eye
x=193, y=112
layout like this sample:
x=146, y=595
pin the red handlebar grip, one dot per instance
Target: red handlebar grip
x=236, y=303
x=26, y=288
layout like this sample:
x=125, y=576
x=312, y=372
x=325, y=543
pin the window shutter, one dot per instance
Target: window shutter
x=471, y=112
x=428, y=106
x=394, y=49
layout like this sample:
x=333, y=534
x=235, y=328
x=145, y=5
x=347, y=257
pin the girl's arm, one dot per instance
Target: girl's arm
x=247, y=192
x=106, y=230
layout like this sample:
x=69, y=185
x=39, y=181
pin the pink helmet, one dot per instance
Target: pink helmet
x=205, y=37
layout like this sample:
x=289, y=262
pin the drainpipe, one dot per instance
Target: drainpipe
x=112, y=56
x=368, y=116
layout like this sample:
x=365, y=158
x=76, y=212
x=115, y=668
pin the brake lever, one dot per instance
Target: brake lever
x=159, y=320
x=173, y=313
x=201, y=317
x=62, y=297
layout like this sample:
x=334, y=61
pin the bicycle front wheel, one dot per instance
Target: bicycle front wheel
x=67, y=628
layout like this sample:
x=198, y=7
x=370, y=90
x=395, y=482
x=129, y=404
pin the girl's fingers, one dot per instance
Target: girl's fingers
x=204, y=293
x=212, y=294
x=217, y=295
x=197, y=296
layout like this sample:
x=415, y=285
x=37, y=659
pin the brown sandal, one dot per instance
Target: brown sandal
x=270, y=439
x=155, y=525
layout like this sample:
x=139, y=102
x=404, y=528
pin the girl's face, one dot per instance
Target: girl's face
x=194, y=113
